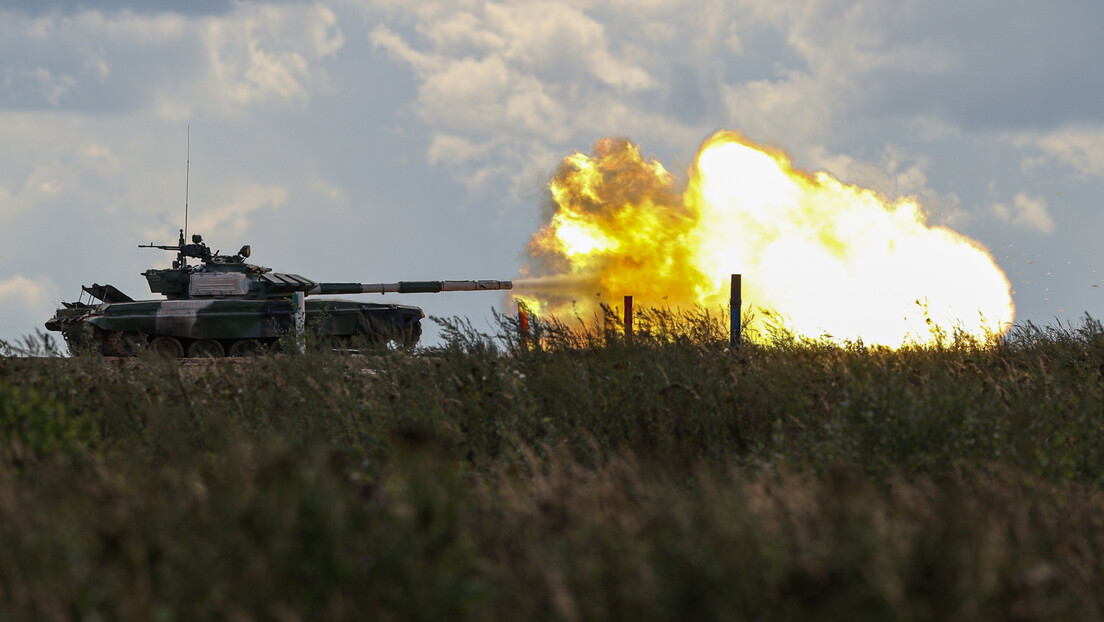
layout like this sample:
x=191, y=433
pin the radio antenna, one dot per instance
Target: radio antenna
x=187, y=176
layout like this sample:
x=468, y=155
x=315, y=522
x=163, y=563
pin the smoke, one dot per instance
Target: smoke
x=561, y=285
x=619, y=227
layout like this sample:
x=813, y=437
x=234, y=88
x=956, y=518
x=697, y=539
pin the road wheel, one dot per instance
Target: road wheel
x=338, y=344
x=412, y=335
x=168, y=347
x=247, y=347
x=206, y=348
x=111, y=343
x=134, y=343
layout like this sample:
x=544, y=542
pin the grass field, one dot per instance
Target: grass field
x=576, y=477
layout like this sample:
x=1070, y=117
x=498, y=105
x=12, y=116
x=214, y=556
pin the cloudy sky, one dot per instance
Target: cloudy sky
x=380, y=140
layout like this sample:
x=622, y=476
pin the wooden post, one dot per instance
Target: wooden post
x=628, y=319
x=299, y=302
x=734, y=303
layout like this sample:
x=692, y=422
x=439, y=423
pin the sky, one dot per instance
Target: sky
x=383, y=140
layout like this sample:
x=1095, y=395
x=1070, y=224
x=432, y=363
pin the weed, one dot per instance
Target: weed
x=566, y=473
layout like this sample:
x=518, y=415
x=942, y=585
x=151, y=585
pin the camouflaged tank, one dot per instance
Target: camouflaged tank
x=225, y=306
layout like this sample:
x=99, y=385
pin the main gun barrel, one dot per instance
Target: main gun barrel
x=409, y=287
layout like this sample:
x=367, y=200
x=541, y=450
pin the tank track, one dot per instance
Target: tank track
x=111, y=343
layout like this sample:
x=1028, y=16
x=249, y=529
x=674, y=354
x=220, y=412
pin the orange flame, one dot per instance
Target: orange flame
x=825, y=257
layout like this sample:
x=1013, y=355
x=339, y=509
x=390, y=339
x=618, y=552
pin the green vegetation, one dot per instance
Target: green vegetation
x=574, y=477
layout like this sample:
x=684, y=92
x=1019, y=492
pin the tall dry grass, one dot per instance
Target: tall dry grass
x=568, y=475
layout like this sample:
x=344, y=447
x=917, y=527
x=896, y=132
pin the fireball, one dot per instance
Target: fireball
x=819, y=257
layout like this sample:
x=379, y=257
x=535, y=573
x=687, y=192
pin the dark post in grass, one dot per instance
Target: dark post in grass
x=628, y=319
x=734, y=303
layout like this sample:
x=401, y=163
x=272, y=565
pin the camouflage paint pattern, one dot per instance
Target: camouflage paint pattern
x=247, y=319
x=229, y=322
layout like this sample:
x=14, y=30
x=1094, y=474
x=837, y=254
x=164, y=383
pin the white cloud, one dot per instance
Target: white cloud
x=129, y=28
x=169, y=64
x=507, y=88
x=450, y=149
x=1026, y=212
x=560, y=43
x=230, y=219
x=53, y=157
x=24, y=291
x=511, y=68
x=264, y=53
x=27, y=303
x=897, y=173
x=799, y=106
x=96, y=65
x=5, y=201
x=1079, y=148
x=53, y=86
x=531, y=72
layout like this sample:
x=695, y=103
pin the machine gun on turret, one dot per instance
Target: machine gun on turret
x=198, y=250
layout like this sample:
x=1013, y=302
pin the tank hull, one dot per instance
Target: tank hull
x=231, y=326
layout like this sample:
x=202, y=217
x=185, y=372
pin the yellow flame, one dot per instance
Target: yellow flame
x=580, y=238
x=827, y=257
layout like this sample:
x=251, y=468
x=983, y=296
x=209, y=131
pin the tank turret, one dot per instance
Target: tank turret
x=224, y=305
x=218, y=276
x=228, y=276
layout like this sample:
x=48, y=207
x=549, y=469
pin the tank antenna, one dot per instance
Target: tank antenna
x=187, y=176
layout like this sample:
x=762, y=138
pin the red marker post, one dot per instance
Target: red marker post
x=523, y=324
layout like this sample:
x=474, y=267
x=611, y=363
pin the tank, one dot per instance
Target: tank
x=223, y=306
